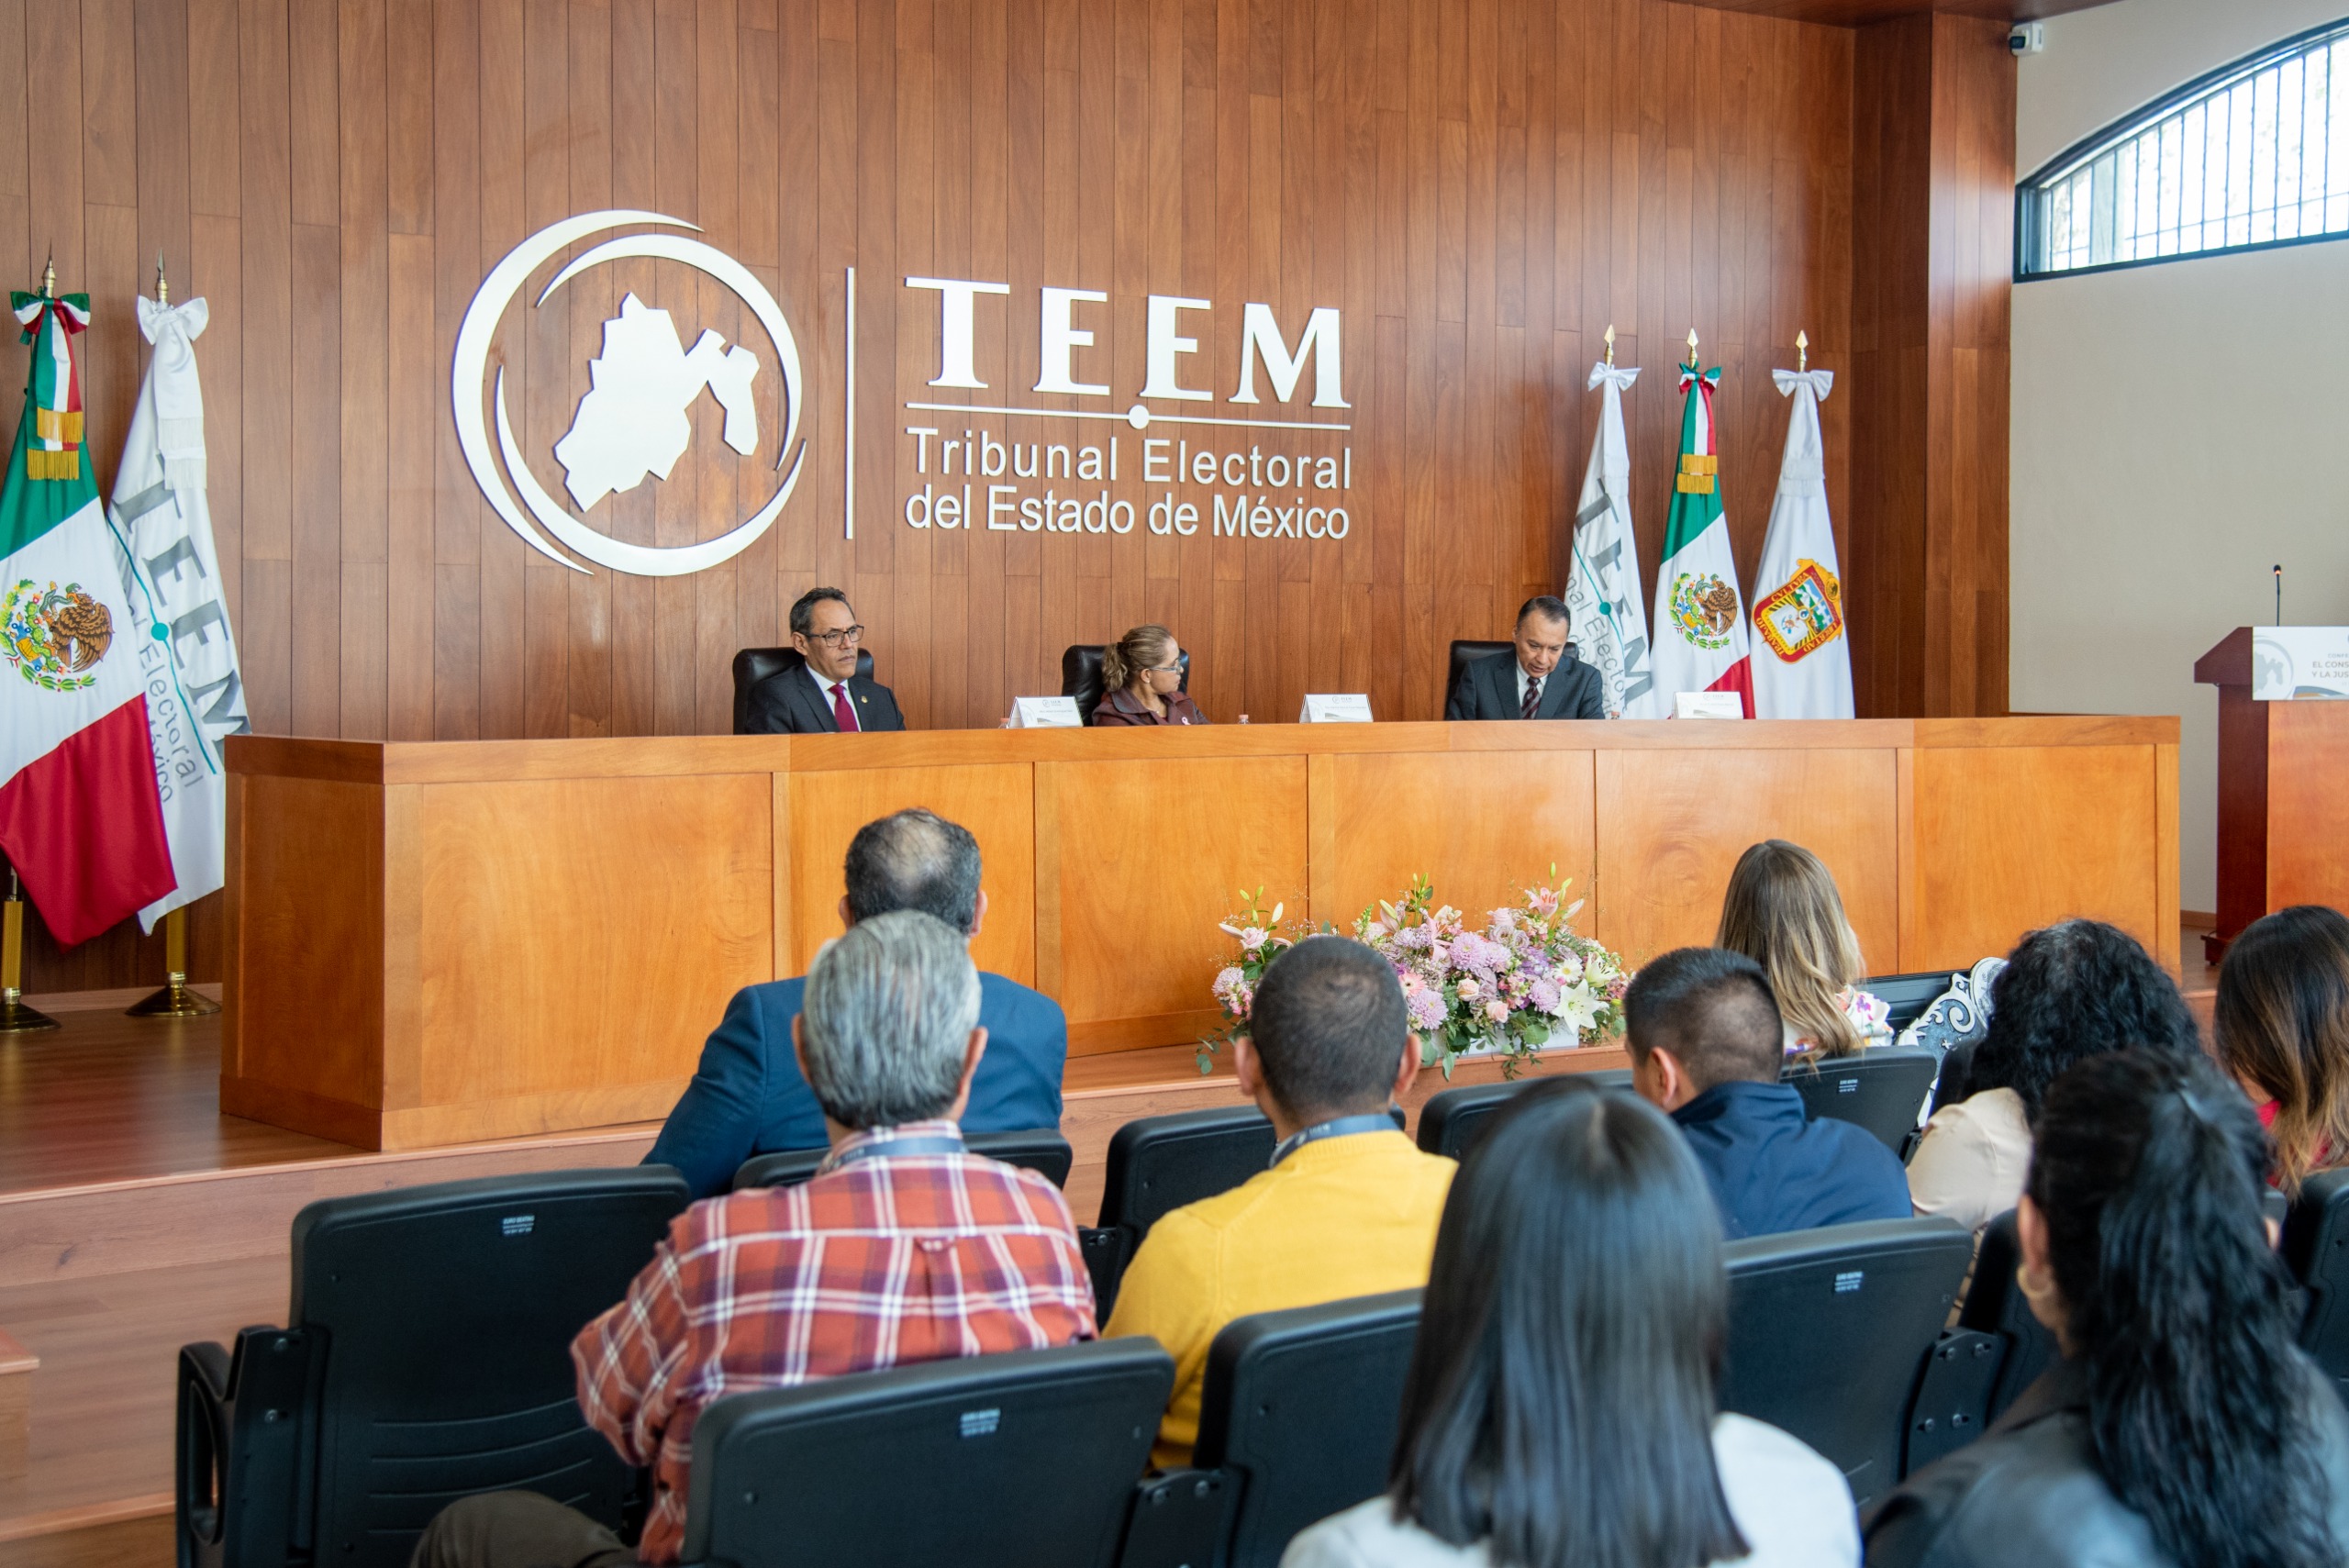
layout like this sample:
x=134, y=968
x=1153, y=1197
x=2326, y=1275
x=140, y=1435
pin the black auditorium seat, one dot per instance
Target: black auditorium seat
x=1452, y=1121
x=1882, y=1090
x=1994, y=1305
x=1081, y=676
x=1296, y=1421
x=1158, y=1163
x=753, y=665
x=1024, y=1460
x=2316, y=1244
x=1042, y=1150
x=425, y=1357
x=1830, y=1331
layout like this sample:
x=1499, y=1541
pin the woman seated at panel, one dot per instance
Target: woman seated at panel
x=1783, y=911
x=2183, y=1428
x=2282, y=1025
x=1141, y=681
x=2068, y=992
x=1561, y=1406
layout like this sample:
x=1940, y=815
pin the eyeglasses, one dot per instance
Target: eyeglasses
x=846, y=635
x=1161, y=668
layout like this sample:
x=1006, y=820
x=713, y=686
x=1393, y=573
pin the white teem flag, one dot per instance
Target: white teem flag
x=171, y=575
x=1802, y=660
x=1610, y=626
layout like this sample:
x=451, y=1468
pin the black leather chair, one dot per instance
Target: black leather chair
x=2316, y=1244
x=1022, y=1460
x=1081, y=676
x=1043, y=1151
x=1453, y=1120
x=1994, y=1305
x=1466, y=652
x=1830, y=1332
x=1296, y=1421
x=425, y=1358
x=1905, y=997
x=1157, y=1165
x=753, y=665
x=1881, y=1090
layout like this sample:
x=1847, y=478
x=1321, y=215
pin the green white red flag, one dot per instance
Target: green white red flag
x=80, y=818
x=1700, y=635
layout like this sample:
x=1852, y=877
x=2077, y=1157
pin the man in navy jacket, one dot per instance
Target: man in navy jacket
x=748, y=1098
x=1707, y=1047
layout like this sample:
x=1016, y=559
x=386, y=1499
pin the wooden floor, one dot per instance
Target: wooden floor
x=134, y=1218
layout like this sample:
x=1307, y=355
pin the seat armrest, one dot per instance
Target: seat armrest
x=1108, y=1249
x=200, y=1445
x=1179, y=1519
x=1951, y=1407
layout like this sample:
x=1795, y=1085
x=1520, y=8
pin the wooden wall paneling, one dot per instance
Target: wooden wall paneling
x=2005, y=837
x=995, y=801
x=2299, y=843
x=1672, y=824
x=458, y=510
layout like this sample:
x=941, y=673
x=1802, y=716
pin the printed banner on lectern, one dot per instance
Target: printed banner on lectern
x=78, y=813
x=1802, y=664
x=171, y=577
x=1610, y=626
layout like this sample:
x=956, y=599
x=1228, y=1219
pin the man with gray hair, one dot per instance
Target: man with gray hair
x=749, y=1097
x=904, y=1247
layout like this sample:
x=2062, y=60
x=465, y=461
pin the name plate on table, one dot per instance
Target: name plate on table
x=1708, y=705
x=1045, y=713
x=2296, y=663
x=1335, y=708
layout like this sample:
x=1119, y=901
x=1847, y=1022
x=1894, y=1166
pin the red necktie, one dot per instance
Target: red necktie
x=1533, y=696
x=843, y=715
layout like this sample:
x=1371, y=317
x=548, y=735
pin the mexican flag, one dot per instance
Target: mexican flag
x=79, y=816
x=1803, y=667
x=171, y=576
x=1700, y=623
x=1610, y=626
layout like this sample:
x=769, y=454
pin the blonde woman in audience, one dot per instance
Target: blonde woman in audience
x=1783, y=911
x=1141, y=681
x=1561, y=1408
x=2282, y=1024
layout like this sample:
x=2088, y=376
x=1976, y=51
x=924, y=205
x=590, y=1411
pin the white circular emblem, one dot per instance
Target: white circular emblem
x=470, y=370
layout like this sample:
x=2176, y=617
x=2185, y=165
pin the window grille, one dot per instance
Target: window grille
x=2254, y=154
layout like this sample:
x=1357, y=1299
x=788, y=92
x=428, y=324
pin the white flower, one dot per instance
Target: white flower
x=1252, y=936
x=1578, y=1008
x=1467, y=990
x=1497, y=1010
x=1375, y=930
x=1569, y=968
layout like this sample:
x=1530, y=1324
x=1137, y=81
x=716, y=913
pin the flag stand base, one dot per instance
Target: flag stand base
x=174, y=1001
x=17, y=1018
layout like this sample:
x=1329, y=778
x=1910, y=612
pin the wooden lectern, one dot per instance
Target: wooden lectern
x=2281, y=767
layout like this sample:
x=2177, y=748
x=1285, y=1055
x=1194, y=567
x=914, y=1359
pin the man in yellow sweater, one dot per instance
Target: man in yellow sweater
x=1350, y=1205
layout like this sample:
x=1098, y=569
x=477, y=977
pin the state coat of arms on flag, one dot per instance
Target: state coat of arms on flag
x=1803, y=669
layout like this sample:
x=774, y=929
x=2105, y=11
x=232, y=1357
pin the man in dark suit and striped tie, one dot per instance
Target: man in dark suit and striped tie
x=825, y=695
x=1537, y=679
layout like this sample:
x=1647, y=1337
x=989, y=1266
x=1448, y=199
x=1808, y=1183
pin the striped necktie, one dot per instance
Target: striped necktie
x=1533, y=696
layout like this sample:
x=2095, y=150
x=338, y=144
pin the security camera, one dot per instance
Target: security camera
x=2027, y=38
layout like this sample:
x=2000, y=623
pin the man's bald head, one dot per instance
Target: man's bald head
x=1713, y=1010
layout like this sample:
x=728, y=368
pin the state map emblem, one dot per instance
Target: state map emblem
x=1802, y=614
x=55, y=637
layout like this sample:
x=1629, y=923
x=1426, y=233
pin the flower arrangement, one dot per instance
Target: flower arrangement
x=1527, y=981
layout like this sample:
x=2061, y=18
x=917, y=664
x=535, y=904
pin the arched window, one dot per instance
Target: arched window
x=2256, y=153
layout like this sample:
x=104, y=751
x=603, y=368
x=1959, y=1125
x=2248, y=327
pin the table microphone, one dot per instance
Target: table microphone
x=2279, y=593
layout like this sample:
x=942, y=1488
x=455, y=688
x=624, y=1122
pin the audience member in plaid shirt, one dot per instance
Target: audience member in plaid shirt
x=905, y=1247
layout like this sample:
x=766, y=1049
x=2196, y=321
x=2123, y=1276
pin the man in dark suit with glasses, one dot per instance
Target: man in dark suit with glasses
x=825, y=695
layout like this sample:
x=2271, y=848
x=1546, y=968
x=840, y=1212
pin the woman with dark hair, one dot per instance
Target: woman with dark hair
x=1559, y=1411
x=2282, y=1028
x=2068, y=992
x=2183, y=1426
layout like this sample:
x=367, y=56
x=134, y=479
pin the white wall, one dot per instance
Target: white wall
x=2178, y=429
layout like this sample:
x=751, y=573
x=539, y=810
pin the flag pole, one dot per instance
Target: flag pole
x=15, y=1017
x=1802, y=352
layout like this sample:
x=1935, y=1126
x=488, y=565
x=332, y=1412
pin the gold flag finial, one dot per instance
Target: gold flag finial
x=1802, y=349
x=1610, y=345
x=163, y=285
x=1694, y=364
x=49, y=278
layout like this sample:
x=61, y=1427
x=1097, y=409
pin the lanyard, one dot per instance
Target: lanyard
x=1339, y=1127
x=889, y=1147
